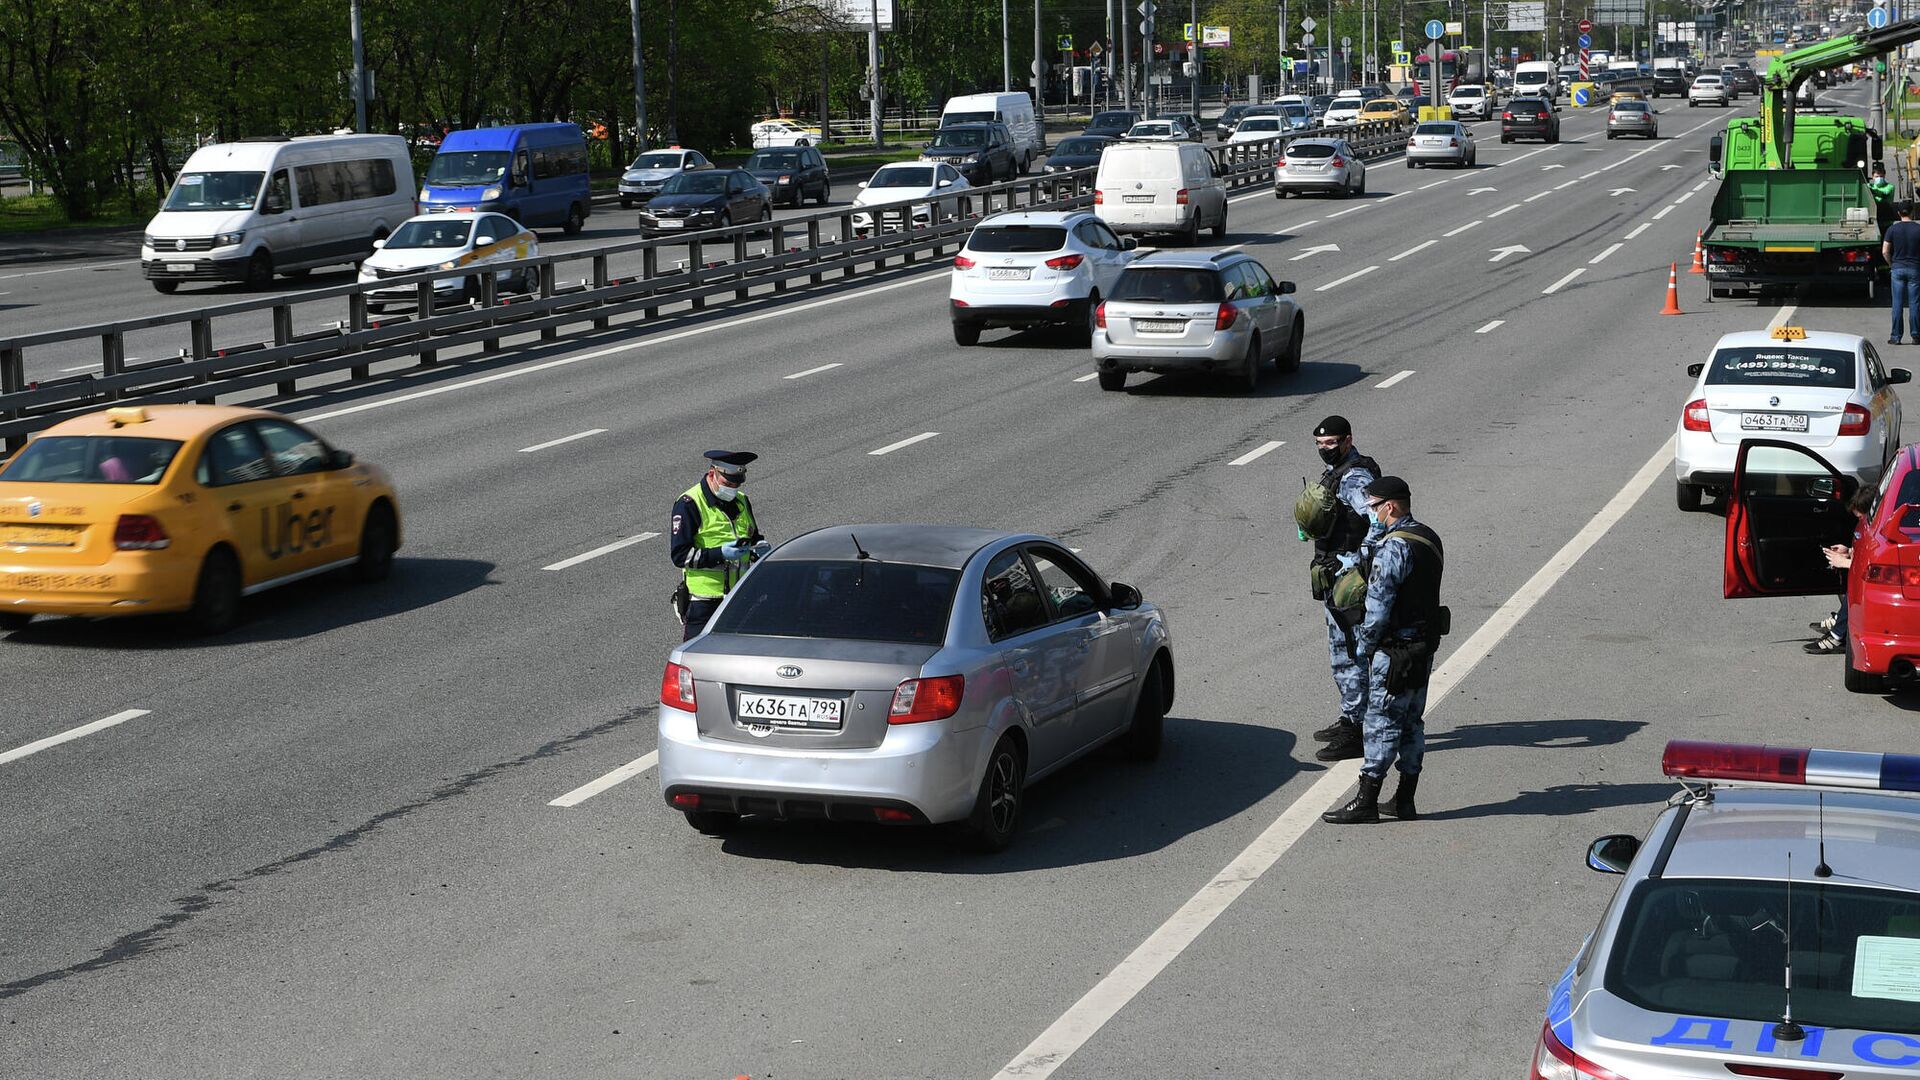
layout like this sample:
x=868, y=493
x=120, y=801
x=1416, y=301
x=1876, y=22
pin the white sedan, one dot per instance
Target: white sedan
x=785, y=133
x=448, y=242
x=1035, y=268
x=1157, y=131
x=907, y=188
x=1821, y=390
x=1344, y=109
x=1259, y=129
x=1707, y=89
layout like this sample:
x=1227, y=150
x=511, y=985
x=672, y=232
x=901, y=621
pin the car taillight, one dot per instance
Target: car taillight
x=1857, y=255
x=1453, y=142
x=1224, y=317
x=1180, y=197
x=1098, y=197
x=1553, y=1061
x=1410, y=143
x=1854, y=421
x=138, y=532
x=1694, y=417
x=1542, y=116
x=1100, y=315
x=1066, y=262
x=1504, y=115
x=961, y=262
x=917, y=701
x=676, y=688
x=1336, y=161
x=1889, y=574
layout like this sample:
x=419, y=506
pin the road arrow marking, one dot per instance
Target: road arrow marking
x=1478, y=190
x=1544, y=168
x=1501, y=253
x=1619, y=191
x=1664, y=168
x=1315, y=250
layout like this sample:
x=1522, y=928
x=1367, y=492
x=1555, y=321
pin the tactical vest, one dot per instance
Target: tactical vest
x=716, y=528
x=1417, y=602
x=1349, y=529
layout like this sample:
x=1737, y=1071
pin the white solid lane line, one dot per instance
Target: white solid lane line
x=618, y=776
x=811, y=371
x=1422, y=246
x=1640, y=228
x=1502, y=210
x=1130, y=976
x=1342, y=281
x=604, y=549
x=1568, y=184
x=1258, y=451
x=1463, y=228
x=1610, y=250
x=1088, y=377
x=891, y=447
x=60, y=270
x=68, y=736
x=1562, y=283
x=1588, y=175
x=1492, y=326
x=589, y=433
x=1348, y=210
x=1435, y=184
x=1391, y=380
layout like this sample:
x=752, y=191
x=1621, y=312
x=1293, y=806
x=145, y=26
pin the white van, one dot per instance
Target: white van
x=1160, y=187
x=246, y=211
x=1536, y=78
x=1014, y=110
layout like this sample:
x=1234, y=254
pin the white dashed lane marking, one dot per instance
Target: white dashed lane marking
x=1257, y=452
x=811, y=371
x=902, y=444
x=1491, y=327
x=71, y=734
x=604, y=549
x=1343, y=280
x=1391, y=380
x=1610, y=250
x=1562, y=283
x=564, y=439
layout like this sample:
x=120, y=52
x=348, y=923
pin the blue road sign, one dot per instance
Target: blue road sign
x=1580, y=96
x=1877, y=18
x=1586, y=40
x=1436, y=29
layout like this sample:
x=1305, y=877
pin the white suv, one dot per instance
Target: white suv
x=1035, y=269
x=1707, y=88
x=1470, y=101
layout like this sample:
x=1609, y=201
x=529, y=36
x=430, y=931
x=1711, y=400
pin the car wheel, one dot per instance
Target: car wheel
x=1192, y=236
x=726, y=218
x=1084, y=331
x=626, y=204
x=996, y=809
x=260, y=271
x=14, y=620
x=1411, y=164
x=1220, y=227
x=1687, y=496
x=800, y=142
x=166, y=288
x=1248, y=377
x=576, y=220
x=966, y=333
x=216, y=595
x=826, y=192
x=1278, y=193
x=1362, y=189
x=1143, y=737
x=1290, y=360
x=1113, y=380
x=1859, y=682
x=1506, y=138
x=713, y=822
x=378, y=539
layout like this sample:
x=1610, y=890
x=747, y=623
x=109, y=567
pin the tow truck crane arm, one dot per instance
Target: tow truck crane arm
x=1781, y=83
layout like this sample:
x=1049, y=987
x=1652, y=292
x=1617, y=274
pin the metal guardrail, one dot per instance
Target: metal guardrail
x=722, y=264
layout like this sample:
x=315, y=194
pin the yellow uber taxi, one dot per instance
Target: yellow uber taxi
x=1385, y=111
x=182, y=508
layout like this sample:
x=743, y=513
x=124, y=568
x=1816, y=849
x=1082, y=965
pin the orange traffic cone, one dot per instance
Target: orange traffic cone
x=1699, y=256
x=1673, y=291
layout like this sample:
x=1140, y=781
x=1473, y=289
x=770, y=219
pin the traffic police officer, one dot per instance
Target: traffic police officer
x=1394, y=644
x=1347, y=474
x=714, y=537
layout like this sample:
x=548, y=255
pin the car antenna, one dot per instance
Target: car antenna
x=856, y=546
x=1823, y=870
x=1786, y=1030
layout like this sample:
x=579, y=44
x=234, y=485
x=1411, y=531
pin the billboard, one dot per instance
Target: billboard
x=1527, y=16
x=1216, y=37
x=854, y=14
x=1619, y=12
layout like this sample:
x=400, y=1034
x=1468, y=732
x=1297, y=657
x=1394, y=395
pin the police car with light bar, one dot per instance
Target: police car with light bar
x=1768, y=926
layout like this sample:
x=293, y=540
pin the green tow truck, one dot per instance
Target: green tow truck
x=1794, y=205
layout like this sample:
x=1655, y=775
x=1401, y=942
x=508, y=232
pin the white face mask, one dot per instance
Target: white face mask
x=723, y=492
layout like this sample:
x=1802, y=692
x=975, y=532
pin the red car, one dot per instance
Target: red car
x=1786, y=505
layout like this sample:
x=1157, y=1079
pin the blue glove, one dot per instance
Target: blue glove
x=735, y=550
x=1301, y=533
x=1348, y=561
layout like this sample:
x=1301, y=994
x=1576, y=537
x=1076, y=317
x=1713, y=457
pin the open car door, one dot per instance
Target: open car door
x=1786, y=504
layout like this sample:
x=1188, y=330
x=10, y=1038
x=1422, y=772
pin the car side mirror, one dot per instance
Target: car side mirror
x=482, y=241
x=863, y=183
x=946, y=183
x=380, y=243
x=273, y=204
x=1612, y=854
x=1694, y=370
x=1285, y=287
x=1125, y=597
x=1128, y=243
x=340, y=459
x=1899, y=375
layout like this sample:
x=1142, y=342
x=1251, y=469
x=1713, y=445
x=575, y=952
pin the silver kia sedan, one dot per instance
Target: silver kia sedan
x=1436, y=142
x=910, y=674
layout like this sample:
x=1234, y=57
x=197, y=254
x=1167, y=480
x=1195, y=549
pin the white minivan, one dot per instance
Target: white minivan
x=1160, y=187
x=1536, y=78
x=248, y=210
x=1012, y=109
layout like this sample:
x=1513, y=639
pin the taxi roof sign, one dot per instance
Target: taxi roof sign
x=131, y=414
x=1789, y=333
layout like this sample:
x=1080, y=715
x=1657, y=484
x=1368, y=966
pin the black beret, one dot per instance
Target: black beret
x=1389, y=487
x=1334, y=425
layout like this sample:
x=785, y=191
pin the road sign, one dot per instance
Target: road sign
x=1187, y=33
x=1877, y=18
x=1096, y=50
x=1581, y=96
x=1064, y=43
x=1397, y=45
x=1403, y=58
x=1346, y=43
x=1456, y=28
x=1585, y=41
x=1308, y=24
x=1159, y=48
x=1586, y=27
x=1306, y=39
x=1436, y=29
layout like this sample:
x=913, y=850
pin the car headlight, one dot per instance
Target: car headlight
x=448, y=265
x=490, y=194
x=423, y=194
x=229, y=239
x=150, y=241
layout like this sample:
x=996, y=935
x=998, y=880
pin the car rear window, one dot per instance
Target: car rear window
x=91, y=459
x=1168, y=285
x=1436, y=129
x=1774, y=366
x=847, y=600
x=1077, y=147
x=1719, y=948
x=1529, y=104
x=1016, y=238
x=1630, y=106
x=1310, y=150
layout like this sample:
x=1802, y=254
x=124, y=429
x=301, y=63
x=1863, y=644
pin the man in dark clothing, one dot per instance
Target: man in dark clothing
x=1347, y=474
x=1901, y=249
x=714, y=537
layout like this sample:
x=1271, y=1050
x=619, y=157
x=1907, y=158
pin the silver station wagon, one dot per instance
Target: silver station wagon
x=909, y=674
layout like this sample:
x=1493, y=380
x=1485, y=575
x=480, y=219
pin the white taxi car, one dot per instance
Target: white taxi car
x=1823, y=390
x=448, y=242
x=1036, y=268
x=1768, y=925
x=785, y=133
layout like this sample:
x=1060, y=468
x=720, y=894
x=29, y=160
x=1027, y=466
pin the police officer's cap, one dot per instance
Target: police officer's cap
x=731, y=462
x=1335, y=426
x=1390, y=487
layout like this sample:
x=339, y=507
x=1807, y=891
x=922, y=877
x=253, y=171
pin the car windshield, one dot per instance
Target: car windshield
x=774, y=159
x=1294, y=110
x=902, y=178
x=1765, y=365
x=1168, y=285
x=968, y=118
x=1310, y=150
x=1437, y=129
x=1013, y=238
x=1260, y=123
x=91, y=459
x=705, y=182
x=1719, y=948
x=1077, y=147
x=1113, y=120
x=1383, y=105
x=467, y=168
x=849, y=600
x=436, y=232
x=215, y=191
x=656, y=161
x=1233, y=112
x=963, y=137
x=1469, y=91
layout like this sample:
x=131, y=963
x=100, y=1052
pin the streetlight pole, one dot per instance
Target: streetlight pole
x=1039, y=66
x=639, y=85
x=1193, y=53
x=1006, y=51
x=359, y=73
x=873, y=69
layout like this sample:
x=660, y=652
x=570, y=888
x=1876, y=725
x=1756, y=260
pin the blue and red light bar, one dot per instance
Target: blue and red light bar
x=1739, y=762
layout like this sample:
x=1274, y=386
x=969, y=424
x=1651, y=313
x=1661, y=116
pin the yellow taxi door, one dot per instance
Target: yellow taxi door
x=310, y=524
x=242, y=491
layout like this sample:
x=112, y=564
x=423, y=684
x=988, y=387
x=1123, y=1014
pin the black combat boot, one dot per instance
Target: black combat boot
x=1402, y=805
x=1332, y=731
x=1346, y=743
x=1363, y=810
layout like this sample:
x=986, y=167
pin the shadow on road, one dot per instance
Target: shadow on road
x=1312, y=378
x=1544, y=734
x=1098, y=809
x=1561, y=800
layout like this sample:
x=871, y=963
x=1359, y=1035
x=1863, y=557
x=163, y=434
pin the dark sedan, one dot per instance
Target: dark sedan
x=1113, y=124
x=1529, y=118
x=793, y=173
x=712, y=199
x=1078, y=152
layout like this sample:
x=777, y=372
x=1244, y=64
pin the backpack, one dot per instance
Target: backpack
x=1350, y=588
x=1317, y=508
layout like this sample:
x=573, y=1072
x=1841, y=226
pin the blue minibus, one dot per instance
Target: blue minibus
x=533, y=173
